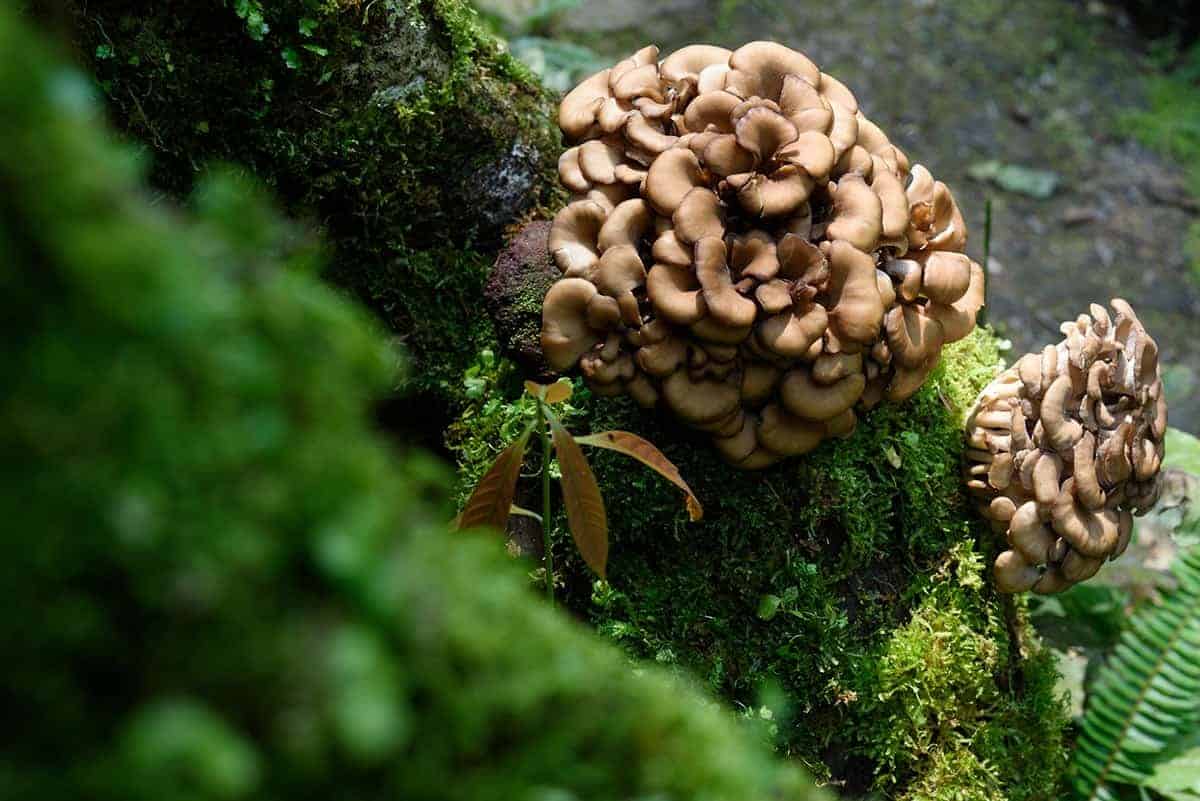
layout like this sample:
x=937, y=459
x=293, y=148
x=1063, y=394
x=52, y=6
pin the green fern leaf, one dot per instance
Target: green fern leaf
x=1148, y=694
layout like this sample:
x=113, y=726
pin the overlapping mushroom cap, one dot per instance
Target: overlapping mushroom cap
x=1065, y=447
x=746, y=248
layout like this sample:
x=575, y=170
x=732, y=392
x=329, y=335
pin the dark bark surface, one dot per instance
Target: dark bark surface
x=401, y=129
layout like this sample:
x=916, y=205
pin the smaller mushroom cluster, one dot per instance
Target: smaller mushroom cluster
x=744, y=247
x=1064, y=447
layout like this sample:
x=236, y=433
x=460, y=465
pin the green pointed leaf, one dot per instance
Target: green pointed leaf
x=1180, y=773
x=1146, y=697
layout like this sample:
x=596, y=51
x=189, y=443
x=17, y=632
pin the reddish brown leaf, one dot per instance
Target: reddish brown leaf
x=645, y=452
x=581, y=496
x=491, y=501
x=558, y=392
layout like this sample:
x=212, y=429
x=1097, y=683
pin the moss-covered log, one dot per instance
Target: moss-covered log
x=399, y=126
x=219, y=582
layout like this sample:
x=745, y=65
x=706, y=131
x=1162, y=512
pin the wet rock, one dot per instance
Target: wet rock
x=520, y=278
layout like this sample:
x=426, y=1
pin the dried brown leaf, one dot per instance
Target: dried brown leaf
x=558, y=392
x=645, y=452
x=581, y=496
x=491, y=501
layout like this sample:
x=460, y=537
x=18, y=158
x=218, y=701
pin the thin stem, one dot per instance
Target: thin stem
x=987, y=257
x=547, y=555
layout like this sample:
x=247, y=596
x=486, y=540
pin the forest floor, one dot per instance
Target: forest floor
x=972, y=89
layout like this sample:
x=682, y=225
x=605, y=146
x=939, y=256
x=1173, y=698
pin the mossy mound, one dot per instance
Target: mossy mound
x=221, y=584
x=852, y=579
x=400, y=127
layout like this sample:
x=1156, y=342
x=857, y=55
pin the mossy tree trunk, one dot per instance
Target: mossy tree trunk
x=400, y=127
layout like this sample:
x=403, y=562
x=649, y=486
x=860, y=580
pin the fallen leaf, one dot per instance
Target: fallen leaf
x=1027, y=181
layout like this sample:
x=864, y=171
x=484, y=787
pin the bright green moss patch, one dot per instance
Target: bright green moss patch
x=832, y=577
x=947, y=711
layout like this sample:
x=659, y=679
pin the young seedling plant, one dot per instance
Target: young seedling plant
x=491, y=501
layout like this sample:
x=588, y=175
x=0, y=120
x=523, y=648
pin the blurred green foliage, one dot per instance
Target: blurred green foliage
x=850, y=580
x=220, y=583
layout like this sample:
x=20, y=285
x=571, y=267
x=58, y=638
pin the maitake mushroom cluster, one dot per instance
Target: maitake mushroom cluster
x=1065, y=446
x=745, y=246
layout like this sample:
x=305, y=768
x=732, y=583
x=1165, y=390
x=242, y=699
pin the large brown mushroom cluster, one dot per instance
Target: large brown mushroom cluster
x=748, y=249
x=1065, y=446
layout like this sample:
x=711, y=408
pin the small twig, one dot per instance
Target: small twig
x=547, y=555
x=987, y=257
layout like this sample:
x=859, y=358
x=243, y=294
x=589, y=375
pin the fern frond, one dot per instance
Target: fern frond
x=1147, y=695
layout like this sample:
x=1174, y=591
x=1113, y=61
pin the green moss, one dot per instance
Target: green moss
x=947, y=711
x=222, y=583
x=831, y=577
x=401, y=128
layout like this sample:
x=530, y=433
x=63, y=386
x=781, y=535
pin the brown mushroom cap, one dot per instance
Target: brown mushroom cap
x=958, y=318
x=690, y=61
x=791, y=334
x=912, y=335
x=675, y=294
x=619, y=272
x=573, y=237
x=703, y=401
x=754, y=255
x=758, y=69
x=805, y=398
x=671, y=176
x=627, y=224
x=945, y=276
x=856, y=311
x=1014, y=574
x=566, y=334
x=1058, y=438
x=749, y=233
x=857, y=214
x=578, y=110
x=786, y=434
x=724, y=302
x=698, y=216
